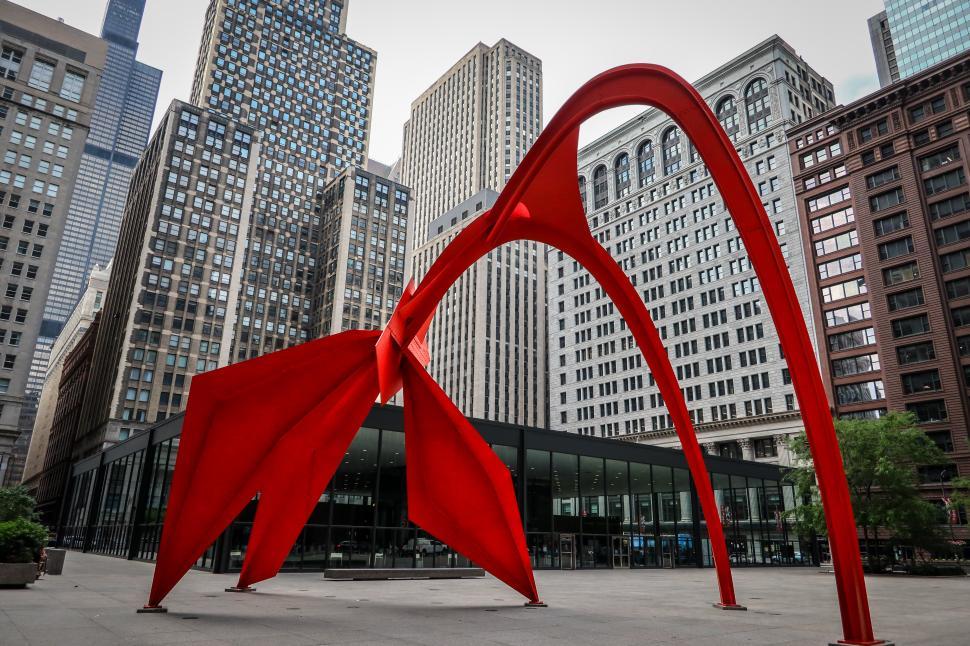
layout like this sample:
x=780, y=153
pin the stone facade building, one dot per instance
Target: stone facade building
x=288, y=71
x=49, y=75
x=652, y=203
x=488, y=337
x=470, y=129
x=363, y=250
x=71, y=334
x=175, y=281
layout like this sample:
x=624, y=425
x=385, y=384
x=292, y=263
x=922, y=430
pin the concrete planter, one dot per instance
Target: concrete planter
x=55, y=560
x=17, y=574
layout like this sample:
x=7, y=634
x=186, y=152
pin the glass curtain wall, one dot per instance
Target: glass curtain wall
x=579, y=511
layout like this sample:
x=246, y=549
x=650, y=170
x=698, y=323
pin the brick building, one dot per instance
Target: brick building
x=881, y=188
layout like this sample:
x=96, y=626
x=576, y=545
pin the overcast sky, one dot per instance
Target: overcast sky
x=418, y=40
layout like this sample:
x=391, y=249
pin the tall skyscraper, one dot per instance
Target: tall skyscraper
x=886, y=229
x=470, y=129
x=285, y=69
x=652, y=203
x=363, y=250
x=913, y=35
x=120, y=124
x=883, y=49
x=488, y=337
x=49, y=73
x=175, y=280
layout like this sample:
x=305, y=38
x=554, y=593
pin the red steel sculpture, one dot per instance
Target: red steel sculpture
x=297, y=410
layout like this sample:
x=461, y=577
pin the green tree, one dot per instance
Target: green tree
x=16, y=502
x=881, y=458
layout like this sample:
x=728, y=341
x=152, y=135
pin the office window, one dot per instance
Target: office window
x=927, y=381
x=906, y=299
x=864, y=391
x=940, y=158
x=895, y=248
x=851, y=340
x=929, y=411
x=900, y=274
x=41, y=74
x=950, y=207
x=10, y=60
x=911, y=326
x=855, y=365
x=886, y=200
x=944, y=182
x=959, y=288
x=883, y=177
x=955, y=261
x=915, y=353
x=952, y=233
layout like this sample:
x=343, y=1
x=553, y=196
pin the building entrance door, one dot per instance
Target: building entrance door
x=668, y=546
x=567, y=551
x=621, y=552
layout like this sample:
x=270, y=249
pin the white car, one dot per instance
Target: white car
x=423, y=546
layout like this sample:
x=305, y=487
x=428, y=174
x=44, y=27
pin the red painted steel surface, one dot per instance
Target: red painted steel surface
x=279, y=424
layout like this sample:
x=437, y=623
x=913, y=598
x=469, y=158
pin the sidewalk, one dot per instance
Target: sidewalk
x=94, y=603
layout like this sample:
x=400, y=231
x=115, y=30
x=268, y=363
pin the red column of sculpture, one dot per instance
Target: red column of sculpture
x=540, y=203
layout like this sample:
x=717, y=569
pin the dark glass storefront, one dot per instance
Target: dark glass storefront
x=585, y=502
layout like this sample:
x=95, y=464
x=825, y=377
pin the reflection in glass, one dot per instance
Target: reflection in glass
x=565, y=492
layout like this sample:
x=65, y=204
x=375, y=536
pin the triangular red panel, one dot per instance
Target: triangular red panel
x=458, y=489
x=235, y=417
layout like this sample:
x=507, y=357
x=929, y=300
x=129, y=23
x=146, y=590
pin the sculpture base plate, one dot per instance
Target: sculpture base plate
x=151, y=609
x=246, y=589
x=729, y=606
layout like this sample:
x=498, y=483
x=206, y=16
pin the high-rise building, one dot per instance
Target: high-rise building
x=285, y=69
x=49, y=74
x=883, y=50
x=488, y=337
x=470, y=129
x=175, y=280
x=886, y=230
x=74, y=329
x=363, y=250
x=913, y=35
x=52, y=479
x=653, y=205
x=120, y=124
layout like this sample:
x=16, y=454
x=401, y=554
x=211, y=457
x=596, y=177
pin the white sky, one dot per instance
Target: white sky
x=418, y=40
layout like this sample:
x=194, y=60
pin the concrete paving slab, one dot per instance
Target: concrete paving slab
x=94, y=602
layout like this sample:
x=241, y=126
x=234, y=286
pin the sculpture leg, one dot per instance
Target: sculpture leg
x=458, y=489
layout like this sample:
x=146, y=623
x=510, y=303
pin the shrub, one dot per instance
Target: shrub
x=928, y=569
x=15, y=503
x=21, y=540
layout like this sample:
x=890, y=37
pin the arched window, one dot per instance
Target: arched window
x=645, y=163
x=621, y=175
x=582, y=191
x=600, y=192
x=670, y=149
x=757, y=105
x=727, y=114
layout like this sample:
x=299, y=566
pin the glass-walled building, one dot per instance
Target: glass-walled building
x=585, y=502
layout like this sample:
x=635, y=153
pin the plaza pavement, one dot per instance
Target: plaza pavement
x=94, y=603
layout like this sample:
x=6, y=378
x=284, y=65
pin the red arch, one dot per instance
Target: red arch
x=540, y=202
